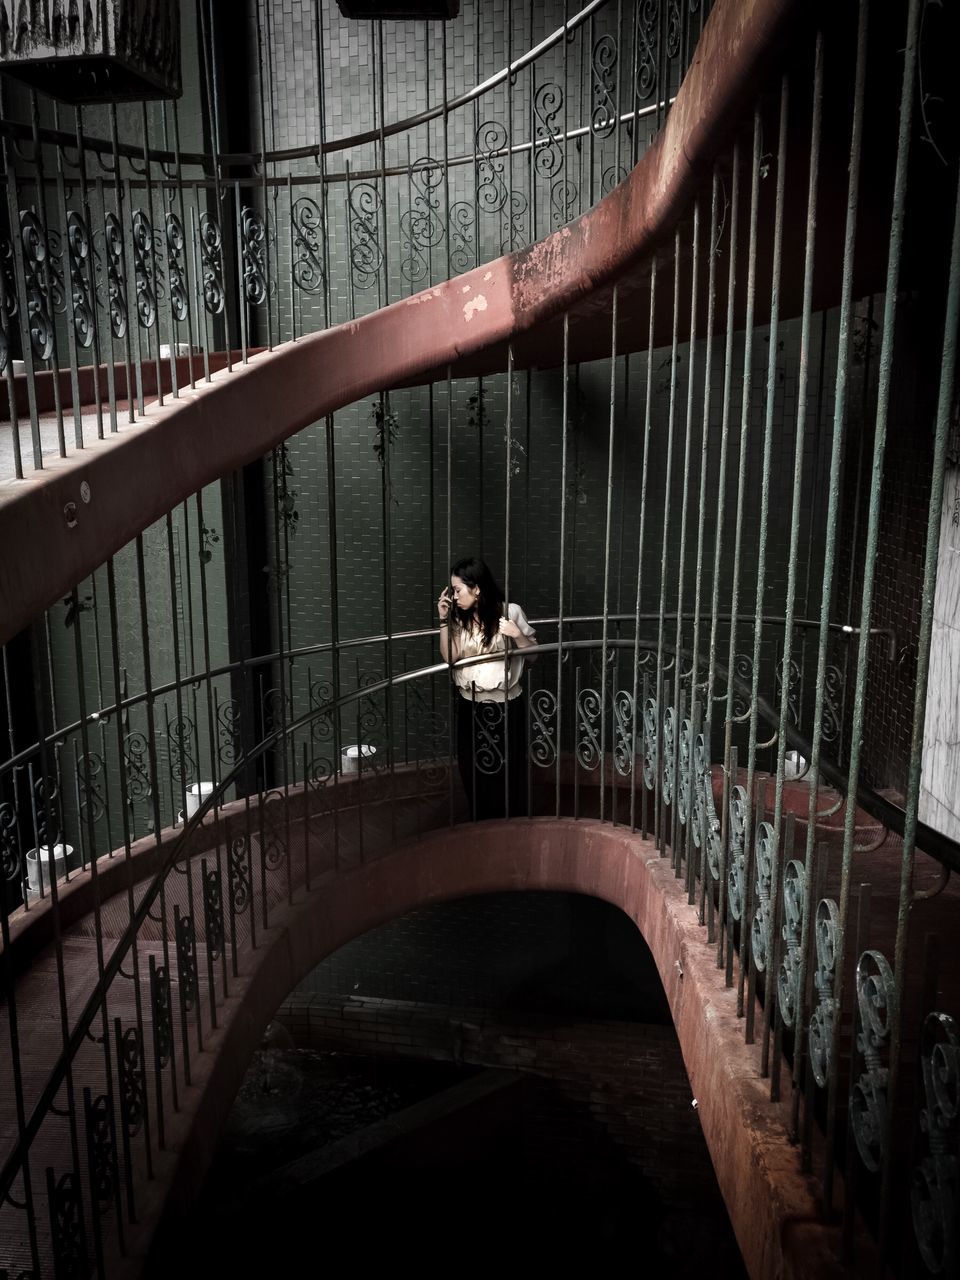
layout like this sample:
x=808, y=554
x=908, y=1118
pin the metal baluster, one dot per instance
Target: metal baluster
x=873, y=522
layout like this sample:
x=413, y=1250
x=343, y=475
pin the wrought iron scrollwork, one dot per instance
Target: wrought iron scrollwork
x=674, y=28
x=820, y=1036
x=90, y=772
x=239, y=873
x=832, y=703
x=116, y=275
x=603, y=119
x=543, y=727
x=176, y=266
x=49, y=817
x=253, y=236
x=321, y=696
x=564, y=202
x=738, y=806
x=669, y=755
x=789, y=674
x=66, y=1220
x=228, y=731
x=708, y=825
x=743, y=670
x=135, y=756
x=462, y=235
x=491, y=140
x=213, y=912
x=788, y=980
x=513, y=231
x=36, y=252
x=187, y=962
x=623, y=731
x=611, y=177
x=9, y=306
x=306, y=217
x=547, y=105
x=132, y=1081
x=274, y=838
x=589, y=706
x=650, y=743
x=648, y=27
x=683, y=771
x=761, y=927
x=162, y=1008
x=144, y=269
x=935, y=1186
x=868, y=1098
x=180, y=738
x=489, y=726
x=102, y=1150
x=421, y=226
x=211, y=265
x=366, y=252
x=10, y=864
x=78, y=249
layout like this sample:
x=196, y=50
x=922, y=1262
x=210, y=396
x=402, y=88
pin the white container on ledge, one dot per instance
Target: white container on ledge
x=197, y=795
x=60, y=857
x=350, y=756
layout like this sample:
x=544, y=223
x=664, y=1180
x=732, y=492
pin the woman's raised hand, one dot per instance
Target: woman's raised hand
x=443, y=606
x=509, y=628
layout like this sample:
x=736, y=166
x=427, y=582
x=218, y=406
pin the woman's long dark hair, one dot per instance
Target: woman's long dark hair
x=475, y=573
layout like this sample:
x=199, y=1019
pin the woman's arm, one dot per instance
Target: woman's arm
x=518, y=628
x=449, y=644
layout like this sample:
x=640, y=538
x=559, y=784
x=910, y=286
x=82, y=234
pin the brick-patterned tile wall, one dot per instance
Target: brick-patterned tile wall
x=541, y=951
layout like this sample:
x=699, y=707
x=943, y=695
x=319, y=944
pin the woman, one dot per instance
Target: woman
x=491, y=726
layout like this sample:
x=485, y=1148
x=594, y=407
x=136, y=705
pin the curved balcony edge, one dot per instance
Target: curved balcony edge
x=54, y=535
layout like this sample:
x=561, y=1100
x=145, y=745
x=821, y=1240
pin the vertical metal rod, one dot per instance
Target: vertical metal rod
x=606, y=556
x=741, y=491
x=91, y=282
x=830, y=539
x=668, y=476
x=561, y=572
x=768, y=431
x=803, y=378
x=46, y=269
x=702, y=508
x=638, y=710
x=678, y=716
x=334, y=628
x=872, y=541
x=508, y=429
x=948, y=367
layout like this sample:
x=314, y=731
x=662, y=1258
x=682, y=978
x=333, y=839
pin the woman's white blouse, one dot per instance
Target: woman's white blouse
x=487, y=678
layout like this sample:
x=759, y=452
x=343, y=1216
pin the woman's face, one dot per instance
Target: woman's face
x=464, y=596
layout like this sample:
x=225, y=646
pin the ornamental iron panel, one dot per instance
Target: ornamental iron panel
x=543, y=727
x=735, y=871
x=761, y=928
x=788, y=981
x=306, y=218
x=935, y=1189
x=876, y=1002
x=821, y=1022
x=82, y=51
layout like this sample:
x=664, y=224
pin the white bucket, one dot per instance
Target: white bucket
x=60, y=854
x=794, y=765
x=196, y=796
x=350, y=756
